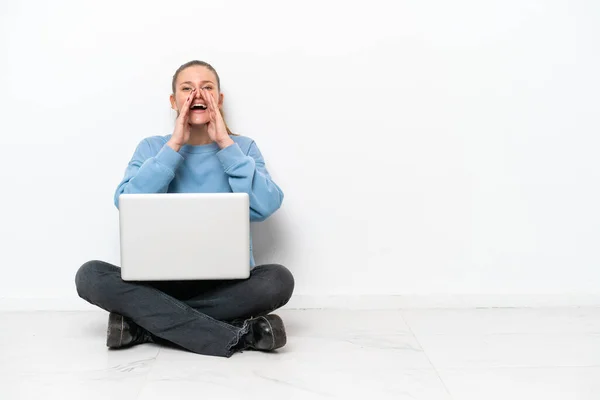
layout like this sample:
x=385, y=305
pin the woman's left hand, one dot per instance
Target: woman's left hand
x=216, y=125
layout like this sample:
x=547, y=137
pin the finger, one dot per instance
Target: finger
x=213, y=105
x=207, y=100
x=212, y=101
x=186, y=106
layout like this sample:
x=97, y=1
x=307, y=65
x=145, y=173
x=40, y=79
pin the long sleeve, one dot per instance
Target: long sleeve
x=148, y=172
x=248, y=174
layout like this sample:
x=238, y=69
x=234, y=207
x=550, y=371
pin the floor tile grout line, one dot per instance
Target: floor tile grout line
x=143, y=385
x=426, y=355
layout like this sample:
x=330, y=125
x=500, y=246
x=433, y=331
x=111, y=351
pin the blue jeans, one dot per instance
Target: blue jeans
x=205, y=317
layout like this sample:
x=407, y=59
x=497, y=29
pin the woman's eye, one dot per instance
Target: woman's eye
x=185, y=88
x=207, y=88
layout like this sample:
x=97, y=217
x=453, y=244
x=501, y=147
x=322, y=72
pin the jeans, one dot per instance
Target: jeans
x=203, y=316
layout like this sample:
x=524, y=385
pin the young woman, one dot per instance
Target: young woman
x=206, y=317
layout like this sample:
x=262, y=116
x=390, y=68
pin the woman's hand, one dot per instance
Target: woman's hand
x=182, y=131
x=216, y=126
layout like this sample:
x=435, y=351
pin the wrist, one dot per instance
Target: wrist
x=226, y=142
x=174, y=146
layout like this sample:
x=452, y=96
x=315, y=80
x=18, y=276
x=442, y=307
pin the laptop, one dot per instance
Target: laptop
x=184, y=236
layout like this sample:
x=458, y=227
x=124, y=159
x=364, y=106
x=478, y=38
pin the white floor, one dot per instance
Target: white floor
x=479, y=354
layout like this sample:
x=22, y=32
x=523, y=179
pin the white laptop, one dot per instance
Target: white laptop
x=184, y=236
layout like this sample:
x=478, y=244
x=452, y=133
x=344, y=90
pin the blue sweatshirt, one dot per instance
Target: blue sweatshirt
x=157, y=168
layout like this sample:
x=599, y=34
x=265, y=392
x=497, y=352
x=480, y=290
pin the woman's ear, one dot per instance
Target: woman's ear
x=221, y=97
x=173, y=103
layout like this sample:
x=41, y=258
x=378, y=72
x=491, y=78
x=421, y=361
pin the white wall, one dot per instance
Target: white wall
x=424, y=147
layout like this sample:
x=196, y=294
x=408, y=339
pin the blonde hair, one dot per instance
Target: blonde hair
x=194, y=63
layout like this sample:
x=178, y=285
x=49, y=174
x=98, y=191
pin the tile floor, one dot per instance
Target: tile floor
x=460, y=354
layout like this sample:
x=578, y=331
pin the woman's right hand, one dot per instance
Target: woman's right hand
x=181, y=134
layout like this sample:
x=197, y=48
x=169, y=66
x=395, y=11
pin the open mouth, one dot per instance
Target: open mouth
x=196, y=107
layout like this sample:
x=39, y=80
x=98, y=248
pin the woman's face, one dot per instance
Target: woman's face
x=199, y=78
